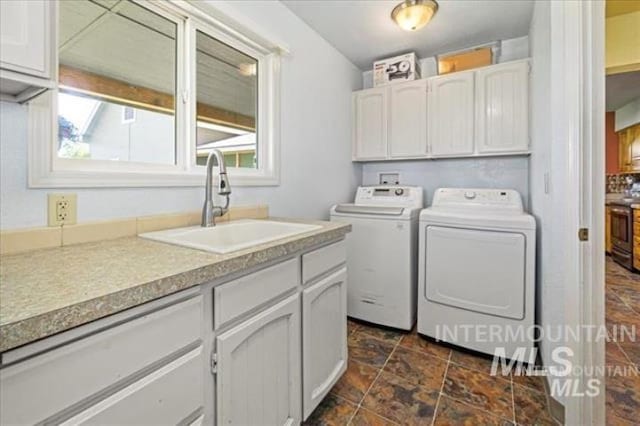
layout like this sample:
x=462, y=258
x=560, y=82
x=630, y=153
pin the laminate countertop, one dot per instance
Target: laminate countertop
x=44, y=292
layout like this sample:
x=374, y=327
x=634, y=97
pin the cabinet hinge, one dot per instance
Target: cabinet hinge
x=214, y=363
x=185, y=96
x=583, y=234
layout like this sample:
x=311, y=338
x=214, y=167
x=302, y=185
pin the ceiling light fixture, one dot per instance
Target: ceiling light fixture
x=411, y=15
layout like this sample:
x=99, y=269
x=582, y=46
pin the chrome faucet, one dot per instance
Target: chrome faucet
x=209, y=211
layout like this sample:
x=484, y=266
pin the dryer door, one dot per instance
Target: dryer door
x=477, y=270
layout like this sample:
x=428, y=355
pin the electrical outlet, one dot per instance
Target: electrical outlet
x=62, y=209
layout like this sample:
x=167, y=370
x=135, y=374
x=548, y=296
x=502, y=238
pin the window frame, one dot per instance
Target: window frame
x=47, y=170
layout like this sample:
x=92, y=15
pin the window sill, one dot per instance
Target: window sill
x=86, y=179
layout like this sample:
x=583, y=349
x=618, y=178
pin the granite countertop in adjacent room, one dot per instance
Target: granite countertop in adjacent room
x=44, y=292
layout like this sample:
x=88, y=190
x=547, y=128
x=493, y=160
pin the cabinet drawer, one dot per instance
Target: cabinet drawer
x=320, y=261
x=240, y=296
x=636, y=228
x=166, y=396
x=636, y=216
x=89, y=365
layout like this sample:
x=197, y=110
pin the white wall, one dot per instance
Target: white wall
x=506, y=173
x=316, y=168
x=628, y=115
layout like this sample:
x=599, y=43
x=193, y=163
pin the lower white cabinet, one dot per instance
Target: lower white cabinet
x=233, y=353
x=324, y=337
x=258, y=368
x=100, y=366
x=166, y=396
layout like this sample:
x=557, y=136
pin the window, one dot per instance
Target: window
x=146, y=90
x=226, y=90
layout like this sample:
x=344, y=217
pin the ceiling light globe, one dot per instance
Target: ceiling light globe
x=411, y=15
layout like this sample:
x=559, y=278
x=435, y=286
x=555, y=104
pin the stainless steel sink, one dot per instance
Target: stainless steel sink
x=231, y=236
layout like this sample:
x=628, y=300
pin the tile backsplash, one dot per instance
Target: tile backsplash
x=617, y=182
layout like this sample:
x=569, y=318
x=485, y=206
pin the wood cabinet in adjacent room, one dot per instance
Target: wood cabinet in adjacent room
x=629, y=149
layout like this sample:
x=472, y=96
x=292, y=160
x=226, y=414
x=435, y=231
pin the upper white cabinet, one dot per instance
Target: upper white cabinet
x=408, y=119
x=259, y=368
x=481, y=112
x=502, y=108
x=451, y=109
x=26, y=45
x=391, y=122
x=370, y=130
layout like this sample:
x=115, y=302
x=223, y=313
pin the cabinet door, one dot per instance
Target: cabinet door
x=502, y=108
x=258, y=380
x=408, y=119
x=633, y=135
x=25, y=36
x=370, y=129
x=624, y=151
x=450, y=115
x=324, y=337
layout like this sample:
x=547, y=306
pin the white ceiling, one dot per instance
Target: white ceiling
x=622, y=89
x=363, y=30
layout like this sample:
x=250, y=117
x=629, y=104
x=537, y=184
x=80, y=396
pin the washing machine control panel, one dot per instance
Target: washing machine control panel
x=478, y=198
x=390, y=195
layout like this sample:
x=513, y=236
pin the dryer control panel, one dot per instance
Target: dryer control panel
x=390, y=195
x=478, y=198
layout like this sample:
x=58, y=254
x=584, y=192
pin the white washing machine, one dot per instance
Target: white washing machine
x=382, y=253
x=477, y=270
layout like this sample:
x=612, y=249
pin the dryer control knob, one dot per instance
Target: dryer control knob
x=469, y=195
x=399, y=191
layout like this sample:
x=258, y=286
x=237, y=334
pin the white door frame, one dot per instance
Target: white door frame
x=580, y=37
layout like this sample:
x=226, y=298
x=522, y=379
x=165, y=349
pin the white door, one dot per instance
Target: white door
x=502, y=105
x=324, y=337
x=408, y=119
x=450, y=114
x=477, y=270
x=25, y=36
x=370, y=130
x=258, y=381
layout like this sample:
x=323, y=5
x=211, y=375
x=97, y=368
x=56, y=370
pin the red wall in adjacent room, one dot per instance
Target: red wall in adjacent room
x=611, y=165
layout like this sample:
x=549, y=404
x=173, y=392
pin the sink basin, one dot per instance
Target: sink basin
x=230, y=236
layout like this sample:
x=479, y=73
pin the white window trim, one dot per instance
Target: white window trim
x=46, y=170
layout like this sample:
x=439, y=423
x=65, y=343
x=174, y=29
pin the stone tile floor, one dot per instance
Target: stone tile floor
x=396, y=378
x=622, y=308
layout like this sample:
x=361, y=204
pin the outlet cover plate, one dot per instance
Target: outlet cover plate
x=70, y=212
